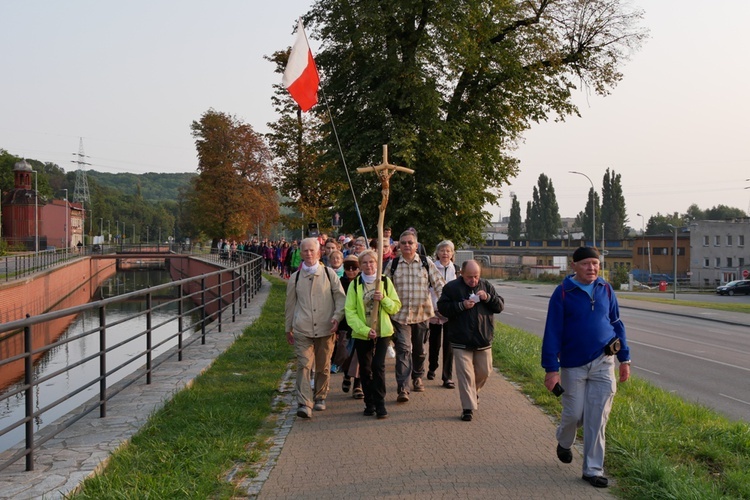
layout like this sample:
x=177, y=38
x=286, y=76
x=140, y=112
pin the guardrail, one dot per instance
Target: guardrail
x=212, y=295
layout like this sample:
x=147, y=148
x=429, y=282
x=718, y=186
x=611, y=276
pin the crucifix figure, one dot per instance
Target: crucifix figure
x=384, y=172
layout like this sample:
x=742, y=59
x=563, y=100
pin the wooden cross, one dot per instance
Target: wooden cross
x=384, y=172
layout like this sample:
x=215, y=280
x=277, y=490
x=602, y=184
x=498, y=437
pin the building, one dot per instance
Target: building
x=718, y=251
x=64, y=220
x=653, y=257
x=22, y=221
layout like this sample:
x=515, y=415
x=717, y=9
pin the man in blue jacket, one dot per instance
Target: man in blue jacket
x=582, y=336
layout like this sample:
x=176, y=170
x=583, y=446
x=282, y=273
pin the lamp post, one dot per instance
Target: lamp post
x=643, y=241
x=593, y=206
x=109, y=231
x=674, y=250
x=67, y=220
x=146, y=235
x=36, y=211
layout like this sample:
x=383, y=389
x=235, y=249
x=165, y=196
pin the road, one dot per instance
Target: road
x=698, y=358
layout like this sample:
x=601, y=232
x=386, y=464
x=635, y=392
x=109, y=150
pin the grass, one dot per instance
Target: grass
x=727, y=306
x=186, y=448
x=658, y=445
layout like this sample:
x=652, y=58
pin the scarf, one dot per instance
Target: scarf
x=312, y=269
x=368, y=279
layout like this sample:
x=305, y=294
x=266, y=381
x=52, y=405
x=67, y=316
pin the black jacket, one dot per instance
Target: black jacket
x=469, y=328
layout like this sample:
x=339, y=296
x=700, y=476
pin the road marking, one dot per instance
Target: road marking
x=532, y=319
x=689, y=355
x=645, y=370
x=715, y=346
x=735, y=399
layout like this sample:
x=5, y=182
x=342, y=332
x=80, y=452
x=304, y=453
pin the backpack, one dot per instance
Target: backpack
x=425, y=265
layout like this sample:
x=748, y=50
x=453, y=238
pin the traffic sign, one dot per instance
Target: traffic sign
x=745, y=273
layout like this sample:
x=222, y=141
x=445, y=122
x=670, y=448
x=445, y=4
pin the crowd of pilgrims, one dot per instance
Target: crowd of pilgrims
x=283, y=257
x=340, y=254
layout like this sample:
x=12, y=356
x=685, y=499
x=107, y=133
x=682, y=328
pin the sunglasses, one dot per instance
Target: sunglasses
x=351, y=268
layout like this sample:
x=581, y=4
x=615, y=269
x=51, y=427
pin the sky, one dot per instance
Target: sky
x=130, y=77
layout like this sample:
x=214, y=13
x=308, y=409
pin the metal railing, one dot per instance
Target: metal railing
x=212, y=296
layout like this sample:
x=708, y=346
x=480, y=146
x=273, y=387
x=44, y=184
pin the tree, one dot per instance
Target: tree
x=450, y=86
x=544, y=214
x=233, y=189
x=303, y=173
x=613, y=207
x=585, y=217
x=659, y=224
x=514, y=222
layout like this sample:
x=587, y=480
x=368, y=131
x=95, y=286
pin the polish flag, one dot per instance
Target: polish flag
x=301, y=76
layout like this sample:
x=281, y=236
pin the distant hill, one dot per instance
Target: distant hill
x=154, y=186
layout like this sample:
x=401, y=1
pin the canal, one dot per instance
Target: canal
x=69, y=353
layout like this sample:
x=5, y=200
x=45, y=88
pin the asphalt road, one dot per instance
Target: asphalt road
x=698, y=358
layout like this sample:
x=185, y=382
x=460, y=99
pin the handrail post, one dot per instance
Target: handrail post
x=180, y=313
x=102, y=363
x=28, y=379
x=203, y=310
x=221, y=304
x=148, y=338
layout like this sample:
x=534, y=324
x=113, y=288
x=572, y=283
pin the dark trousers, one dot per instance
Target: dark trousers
x=436, y=339
x=371, y=355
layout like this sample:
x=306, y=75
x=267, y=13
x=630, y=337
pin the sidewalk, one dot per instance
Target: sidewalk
x=423, y=449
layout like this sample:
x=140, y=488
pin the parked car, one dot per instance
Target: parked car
x=734, y=288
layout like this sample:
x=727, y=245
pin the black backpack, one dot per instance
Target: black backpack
x=425, y=265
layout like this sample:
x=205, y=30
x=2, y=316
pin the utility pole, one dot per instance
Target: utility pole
x=81, y=191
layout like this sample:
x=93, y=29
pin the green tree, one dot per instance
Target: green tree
x=233, y=189
x=514, y=222
x=613, y=207
x=544, y=214
x=584, y=218
x=451, y=86
x=659, y=224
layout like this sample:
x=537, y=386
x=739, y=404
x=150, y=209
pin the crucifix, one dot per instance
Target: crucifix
x=384, y=172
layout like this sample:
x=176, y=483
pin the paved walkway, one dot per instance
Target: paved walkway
x=77, y=452
x=423, y=450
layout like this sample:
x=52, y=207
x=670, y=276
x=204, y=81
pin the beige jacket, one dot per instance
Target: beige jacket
x=312, y=301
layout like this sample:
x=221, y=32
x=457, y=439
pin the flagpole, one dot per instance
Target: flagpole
x=341, y=151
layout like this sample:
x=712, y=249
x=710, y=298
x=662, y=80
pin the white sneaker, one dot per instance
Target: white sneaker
x=320, y=405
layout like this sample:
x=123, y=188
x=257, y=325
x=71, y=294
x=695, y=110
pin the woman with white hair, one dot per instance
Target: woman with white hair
x=444, y=263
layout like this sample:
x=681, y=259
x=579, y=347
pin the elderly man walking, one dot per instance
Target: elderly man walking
x=582, y=337
x=314, y=306
x=412, y=275
x=470, y=304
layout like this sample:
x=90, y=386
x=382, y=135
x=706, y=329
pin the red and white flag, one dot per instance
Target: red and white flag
x=300, y=75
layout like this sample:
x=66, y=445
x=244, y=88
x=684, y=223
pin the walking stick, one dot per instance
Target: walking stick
x=384, y=172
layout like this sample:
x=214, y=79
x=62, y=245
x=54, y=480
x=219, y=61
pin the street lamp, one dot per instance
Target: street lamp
x=67, y=220
x=593, y=206
x=643, y=244
x=109, y=231
x=147, y=235
x=36, y=211
x=674, y=250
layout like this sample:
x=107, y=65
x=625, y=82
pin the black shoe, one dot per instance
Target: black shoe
x=430, y=375
x=564, y=454
x=382, y=412
x=369, y=411
x=448, y=384
x=467, y=415
x=596, y=481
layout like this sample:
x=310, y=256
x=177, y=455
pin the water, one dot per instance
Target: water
x=13, y=409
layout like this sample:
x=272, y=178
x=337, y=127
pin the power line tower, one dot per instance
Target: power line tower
x=81, y=191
